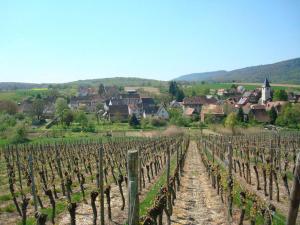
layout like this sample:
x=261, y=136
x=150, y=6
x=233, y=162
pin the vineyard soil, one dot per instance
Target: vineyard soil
x=197, y=202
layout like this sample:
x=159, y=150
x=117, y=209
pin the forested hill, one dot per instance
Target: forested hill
x=118, y=81
x=281, y=72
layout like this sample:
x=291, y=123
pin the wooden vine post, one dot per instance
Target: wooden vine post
x=295, y=195
x=140, y=170
x=101, y=185
x=169, y=204
x=33, y=191
x=19, y=170
x=230, y=184
x=133, y=198
x=271, y=171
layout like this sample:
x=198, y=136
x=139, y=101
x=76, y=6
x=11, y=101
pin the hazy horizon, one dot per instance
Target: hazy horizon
x=58, y=42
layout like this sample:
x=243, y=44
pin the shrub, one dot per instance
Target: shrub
x=231, y=121
x=8, y=106
x=7, y=121
x=20, y=116
x=157, y=122
x=82, y=119
x=76, y=129
x=133, y=121
x=90, y=128
x=145, y=123
x=36, y=122
x=20, y=134
x=183, y=121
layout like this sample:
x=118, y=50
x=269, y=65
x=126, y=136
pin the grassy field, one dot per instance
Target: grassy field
x=201, y=89
x=149, y=89
x=19, y=95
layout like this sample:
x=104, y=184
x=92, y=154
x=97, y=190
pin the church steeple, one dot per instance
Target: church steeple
x=266, y=83
x=266, y=91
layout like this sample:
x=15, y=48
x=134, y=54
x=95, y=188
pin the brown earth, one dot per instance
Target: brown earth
x=197, y=202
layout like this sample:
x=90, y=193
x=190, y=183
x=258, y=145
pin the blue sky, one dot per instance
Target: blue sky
x=59, y=41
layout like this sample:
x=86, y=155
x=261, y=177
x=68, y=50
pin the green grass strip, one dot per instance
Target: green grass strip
x=155, y=189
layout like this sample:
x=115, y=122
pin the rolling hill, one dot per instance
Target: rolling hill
x=281, y=72
x=118, y=81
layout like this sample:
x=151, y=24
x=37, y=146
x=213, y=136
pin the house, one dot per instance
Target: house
x=149, y=111
x=135, y=109
x=214, y=111
x=49, y=110
x=252, y=96
x=146, y=101
x=118, y=113
x=243, y=101
x=189, y=112
x=129, y=95
x=25, y=106
x=222, y=92
x=196, y=102
x=294, y=97
x=175, y=104
x=241, y=89
x=276, y=104
x=162, y=113
x=86, y=91
x=257, y=113
x=86, y=103
x=124, y=101
x=229, y=105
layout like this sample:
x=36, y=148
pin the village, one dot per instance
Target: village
x=114, y=105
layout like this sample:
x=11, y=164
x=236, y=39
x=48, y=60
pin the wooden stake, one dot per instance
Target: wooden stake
x=101, y=152
x=230, y=184
x=133, y=198
x=32, y=183
x=295, y=195
x=169, y=204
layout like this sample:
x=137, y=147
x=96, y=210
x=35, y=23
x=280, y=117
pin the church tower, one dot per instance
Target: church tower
x=266, y=91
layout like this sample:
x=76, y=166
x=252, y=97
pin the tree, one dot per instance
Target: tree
x=240, y=115
x=38, y=108
x=67, y=117
x=133, y=121
x=231, y=122
x=53, y=92
x=173, y=88
x=234, y=86
x=82, y=119
x=20, y=134
x=273, y=115
x=289, y=116
x=206, y=91
x=280, y=95
x=101, y=90
x=8, y=106
x=179, y=95
x=60, y=105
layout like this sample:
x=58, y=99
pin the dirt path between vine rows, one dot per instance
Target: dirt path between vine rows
x=197, y=202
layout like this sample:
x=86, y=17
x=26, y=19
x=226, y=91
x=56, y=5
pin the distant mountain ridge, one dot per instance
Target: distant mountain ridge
x=287, y=71
x=201, y=76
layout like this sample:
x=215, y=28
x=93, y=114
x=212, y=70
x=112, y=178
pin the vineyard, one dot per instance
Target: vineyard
x=179, y=179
